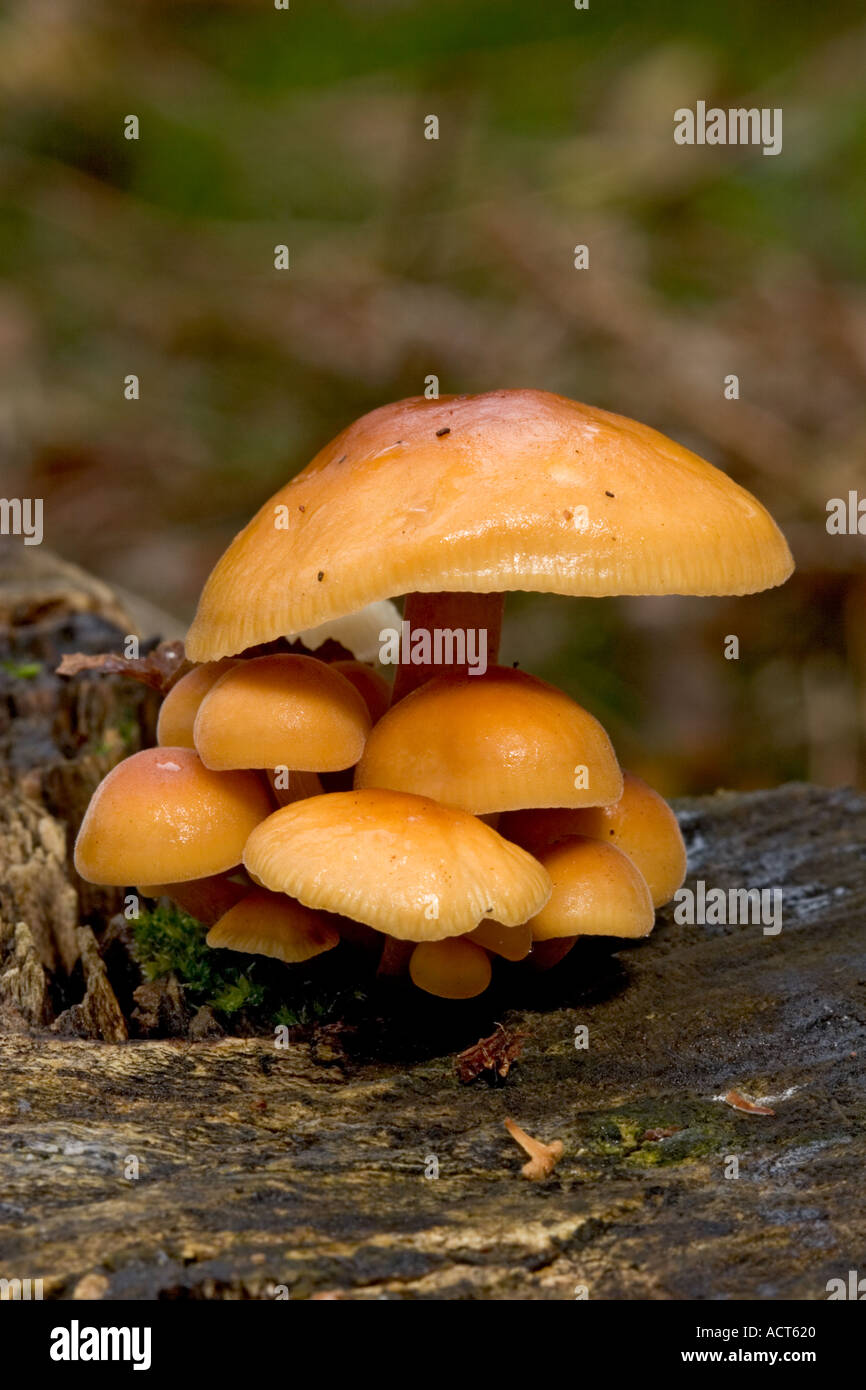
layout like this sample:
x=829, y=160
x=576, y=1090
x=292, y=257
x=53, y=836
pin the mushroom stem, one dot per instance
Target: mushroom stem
x=474, y=622
x=542, y=1157
x=395, y=956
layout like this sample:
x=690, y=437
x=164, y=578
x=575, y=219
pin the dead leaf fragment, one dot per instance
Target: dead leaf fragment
x=739, y=1102
x=159, y=669
x=497, y=1054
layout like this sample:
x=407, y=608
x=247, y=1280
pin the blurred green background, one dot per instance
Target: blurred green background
x=455, y=257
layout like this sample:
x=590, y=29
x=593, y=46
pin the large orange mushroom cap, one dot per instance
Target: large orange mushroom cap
x=162, y=816
x=516, y=489
x=492, y=743
x=403, y=864
x=282, y=711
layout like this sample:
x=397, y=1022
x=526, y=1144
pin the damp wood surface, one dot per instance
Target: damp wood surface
x=262, y=1170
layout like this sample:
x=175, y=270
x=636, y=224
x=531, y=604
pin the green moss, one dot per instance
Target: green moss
x=701, y=1132
x=266, y=992
x=21, y=670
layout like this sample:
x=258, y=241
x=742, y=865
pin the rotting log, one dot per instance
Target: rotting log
x=263, y=1170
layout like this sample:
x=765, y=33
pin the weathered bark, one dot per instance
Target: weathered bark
x=261, y=1168
x=58, y=738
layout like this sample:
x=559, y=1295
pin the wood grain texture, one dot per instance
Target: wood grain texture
x=262, y=1168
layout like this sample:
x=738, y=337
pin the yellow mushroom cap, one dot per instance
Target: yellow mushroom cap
x=597, y=891
x=369, y=683
x=403, y=864
x=162, y=816
x=179, y=708
x=455, y=969
x=512, y=943
x=517, y=489
x=287, y=710
x=492, y=743
x=641, y=824
x=270, y=924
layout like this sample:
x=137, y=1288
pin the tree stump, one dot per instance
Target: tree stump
x=233, y=1168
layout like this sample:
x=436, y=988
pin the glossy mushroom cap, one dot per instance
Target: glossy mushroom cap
x=597, y=891
x=411, y=868
x=641, y=824
x=287, y=710
x=270, y=924
x=492, y=743
x=508, y=490
x=179, y=708
x=162, y=816
x=455, y=969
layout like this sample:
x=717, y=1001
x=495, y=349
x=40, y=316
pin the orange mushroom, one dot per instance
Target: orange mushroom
x=405, y=865
x=270, y=924
x=453, y=969
x=640, y=823
x=162, y=816
x=492, y=743
x=285, y=710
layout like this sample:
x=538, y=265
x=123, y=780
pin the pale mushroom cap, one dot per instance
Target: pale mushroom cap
x=512, y=943
x=286, y=710
x=597, y=891
x=516, y=489
x=403, y=864
x=492, y=743
x=162, y=816
x=455, y=969
x=369, y=683
x=270, y=924
x=179, y=708
x=641, y=824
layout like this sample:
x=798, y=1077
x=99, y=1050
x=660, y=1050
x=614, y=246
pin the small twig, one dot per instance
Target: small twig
x=543, y=1158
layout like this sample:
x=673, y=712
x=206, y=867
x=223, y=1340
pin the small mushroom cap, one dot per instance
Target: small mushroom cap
x=455, y=969
x=411, y=868
x=512, y=943
x=286, y=710
x=517, y=489
x=641, y=824
x=162, y=816
x=597, y=891
x=492, y=743
x=270, y=924
x=179, y=708
x=369, y=683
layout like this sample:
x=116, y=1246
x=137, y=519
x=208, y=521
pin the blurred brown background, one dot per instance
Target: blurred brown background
x=411, y=257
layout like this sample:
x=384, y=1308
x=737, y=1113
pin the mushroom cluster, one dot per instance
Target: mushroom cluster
x=473, y=811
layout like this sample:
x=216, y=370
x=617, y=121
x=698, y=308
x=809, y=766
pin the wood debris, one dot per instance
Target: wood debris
x=159, y=669
x=496, y=1054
